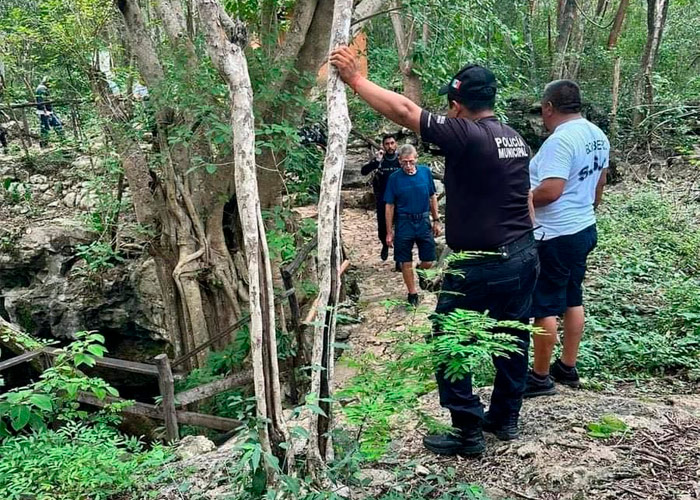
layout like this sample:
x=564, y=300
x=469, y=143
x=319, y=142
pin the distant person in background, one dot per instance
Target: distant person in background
x=385, y=163
x=410, y=200
x=44, y=109
x=567, y=177
x=3, y=140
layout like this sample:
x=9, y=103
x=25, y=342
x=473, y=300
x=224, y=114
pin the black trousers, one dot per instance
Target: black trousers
x=381, y=218
x=503, y=287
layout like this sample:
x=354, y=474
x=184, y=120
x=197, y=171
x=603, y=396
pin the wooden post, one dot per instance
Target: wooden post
x=74, y=122
x=167, y=391
x=27, y=137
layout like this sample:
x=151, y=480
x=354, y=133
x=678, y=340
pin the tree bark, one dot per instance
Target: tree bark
x=405, y=35
x=617, y=62
x=225, y=47
x=615, y=98
x=644, y=89
x=527, y=35
x=320, y=447
x=363, y=13
x=199, y=280
x=565, y=25
x=617, y=24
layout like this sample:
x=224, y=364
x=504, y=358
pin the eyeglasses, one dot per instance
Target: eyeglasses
x=407, y=162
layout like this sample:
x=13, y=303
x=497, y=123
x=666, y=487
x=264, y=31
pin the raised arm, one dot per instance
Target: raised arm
x=395, y=107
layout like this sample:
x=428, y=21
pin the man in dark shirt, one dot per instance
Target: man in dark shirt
x=410, y=200
x=487, y=186
x=44, y=109
x=386, y=162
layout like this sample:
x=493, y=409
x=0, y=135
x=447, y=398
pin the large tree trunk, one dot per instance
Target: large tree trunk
x=320, y=447
x=225, y=42
x=302, y=52
x=201, y=285
x=644, y=89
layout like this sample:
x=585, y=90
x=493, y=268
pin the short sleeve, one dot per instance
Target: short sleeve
x=450, y=134
x=389, y=195
x=554, y=159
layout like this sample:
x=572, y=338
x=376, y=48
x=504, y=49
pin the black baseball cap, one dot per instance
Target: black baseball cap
x=472, y=83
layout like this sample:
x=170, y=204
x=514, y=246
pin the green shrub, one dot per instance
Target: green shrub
x=76, y=462
x=643, y=292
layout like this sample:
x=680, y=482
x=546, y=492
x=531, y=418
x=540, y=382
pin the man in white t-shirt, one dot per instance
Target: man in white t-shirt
x=566, y=177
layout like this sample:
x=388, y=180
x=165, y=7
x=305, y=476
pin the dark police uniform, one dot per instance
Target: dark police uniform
x=384, y=167
x=487, y=185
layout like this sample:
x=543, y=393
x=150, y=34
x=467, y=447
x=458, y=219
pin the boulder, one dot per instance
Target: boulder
x=192, y=446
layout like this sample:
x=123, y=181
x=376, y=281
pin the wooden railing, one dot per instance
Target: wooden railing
x=166, y=411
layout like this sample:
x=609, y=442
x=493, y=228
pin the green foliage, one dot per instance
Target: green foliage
x=382, y=390
x=99, y=256
x=75, y=462
x=54, y=397
x=643, y=293
x=607, y=426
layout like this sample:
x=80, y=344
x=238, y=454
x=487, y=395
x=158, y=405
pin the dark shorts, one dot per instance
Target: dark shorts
x=562, y=268
x=410, y=230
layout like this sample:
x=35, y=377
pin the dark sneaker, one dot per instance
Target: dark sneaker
x=385, y=252
x=538, y=386
x=565, y=374
x=467, y=443
x=413, y=299
x=505, y=429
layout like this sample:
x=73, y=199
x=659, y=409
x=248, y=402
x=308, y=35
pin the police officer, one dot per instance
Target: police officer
x=487, y=186
x=44, y=109
x=385, y=162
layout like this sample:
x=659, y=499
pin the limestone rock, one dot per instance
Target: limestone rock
x=69, y=200
x=192, y=446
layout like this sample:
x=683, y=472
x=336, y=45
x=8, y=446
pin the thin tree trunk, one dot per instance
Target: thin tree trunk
x=644, y=90
x=617, y=24
x=574, y=56
x=225, y=42
x=320, y=448
x=617, y=63
x=615, y=98
x=565, y=27
x=405, y=35
x=527, y=34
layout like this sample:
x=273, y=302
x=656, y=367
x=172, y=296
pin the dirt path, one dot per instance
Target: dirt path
x=657, y=457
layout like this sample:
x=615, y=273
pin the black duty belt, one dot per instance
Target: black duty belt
x=413, y=216
x=504, y=252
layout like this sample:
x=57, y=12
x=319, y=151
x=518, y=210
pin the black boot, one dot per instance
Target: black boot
x=504, y=428
x=467, y=441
